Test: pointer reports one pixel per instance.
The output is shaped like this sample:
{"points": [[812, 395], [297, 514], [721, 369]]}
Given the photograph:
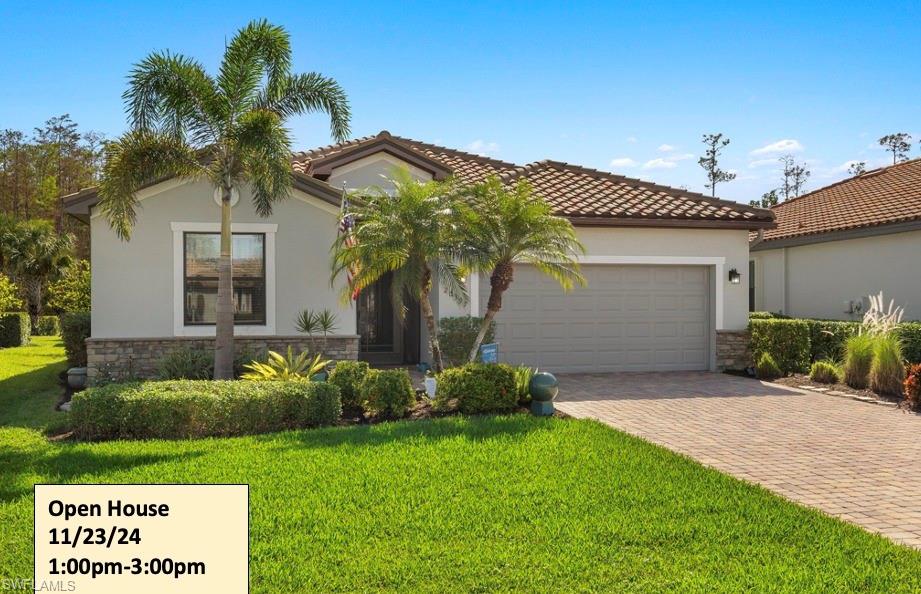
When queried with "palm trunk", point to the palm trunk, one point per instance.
{"points": [[223, 343], [429, 314], [34, 293], [499, 282]]}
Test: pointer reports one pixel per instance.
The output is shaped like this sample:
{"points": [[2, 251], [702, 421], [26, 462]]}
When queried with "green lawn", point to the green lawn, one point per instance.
{"points": [[478, 505], [28, 382]]}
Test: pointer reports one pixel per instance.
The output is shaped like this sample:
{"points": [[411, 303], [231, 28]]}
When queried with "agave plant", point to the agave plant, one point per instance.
{"points": [[280, 368]]}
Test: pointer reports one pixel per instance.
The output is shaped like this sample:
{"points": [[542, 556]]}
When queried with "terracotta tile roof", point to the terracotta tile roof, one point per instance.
{"points": [[577, 192], [574, 191], [878, 197]]}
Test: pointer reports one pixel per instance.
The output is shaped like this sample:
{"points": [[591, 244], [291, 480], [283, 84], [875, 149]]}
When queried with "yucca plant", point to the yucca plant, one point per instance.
{"points": [[281, 368], [523, 375], [887, 371], [858, 356]]}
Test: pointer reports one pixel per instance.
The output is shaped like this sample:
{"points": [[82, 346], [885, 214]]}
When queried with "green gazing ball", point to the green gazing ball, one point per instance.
{"points": [[543, 387]]}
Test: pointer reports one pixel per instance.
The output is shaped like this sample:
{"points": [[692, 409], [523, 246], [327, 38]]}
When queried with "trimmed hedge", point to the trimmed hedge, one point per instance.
{"points": [[909, 333], [766, 315], [456, 336], [787, 341], [348, 376], [387, 392], [827, 338], [15, 329], [75, 329], [478, 388], [201, 408], [47, 326]]}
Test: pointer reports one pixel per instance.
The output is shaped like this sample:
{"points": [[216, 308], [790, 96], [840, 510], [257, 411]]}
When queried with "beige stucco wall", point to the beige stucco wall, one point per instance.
{"points": [[132, 282], [769, 280], [654, 245], [373, 171], [821, 277]]}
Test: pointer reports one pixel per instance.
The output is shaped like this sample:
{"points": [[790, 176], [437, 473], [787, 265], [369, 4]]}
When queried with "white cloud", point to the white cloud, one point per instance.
{"points": [[666, 148], [659, 164], [481, 147], [631, 139], [787, 145], [622, 162], [681, 157], [762, 163], [842, 168]]}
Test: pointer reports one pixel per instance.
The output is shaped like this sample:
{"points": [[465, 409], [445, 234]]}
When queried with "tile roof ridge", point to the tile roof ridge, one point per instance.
{"points": [[457, 152], [672, 191]]}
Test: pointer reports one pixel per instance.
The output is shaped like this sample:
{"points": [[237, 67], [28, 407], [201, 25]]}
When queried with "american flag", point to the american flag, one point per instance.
{"points": [[347, 228]]}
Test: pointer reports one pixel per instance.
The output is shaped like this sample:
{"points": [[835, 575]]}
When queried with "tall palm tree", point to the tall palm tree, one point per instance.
{"points": [[35, 255], [502, 227], [228, 129], [408, 234]]}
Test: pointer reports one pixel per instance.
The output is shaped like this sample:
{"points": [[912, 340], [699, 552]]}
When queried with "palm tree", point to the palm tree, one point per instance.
{"points": [[228, 129], [35, 255], [408, 234], [503, 227]]}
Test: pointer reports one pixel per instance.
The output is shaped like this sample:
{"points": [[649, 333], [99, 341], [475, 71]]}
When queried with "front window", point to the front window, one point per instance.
{"points": [[201, 253]]}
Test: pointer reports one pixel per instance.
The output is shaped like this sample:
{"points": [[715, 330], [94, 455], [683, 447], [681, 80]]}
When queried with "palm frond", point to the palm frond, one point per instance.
{"points": [[311, 93], [174, 94], [265, 148], [258, 49], [133, 160]]}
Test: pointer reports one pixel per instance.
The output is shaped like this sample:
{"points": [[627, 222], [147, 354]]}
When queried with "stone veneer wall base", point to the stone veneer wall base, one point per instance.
{"points": [[733, 350], [121, 358]]}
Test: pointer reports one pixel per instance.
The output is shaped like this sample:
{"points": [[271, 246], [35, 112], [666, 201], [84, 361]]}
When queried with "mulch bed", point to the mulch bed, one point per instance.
{"points": [[797, 380]]}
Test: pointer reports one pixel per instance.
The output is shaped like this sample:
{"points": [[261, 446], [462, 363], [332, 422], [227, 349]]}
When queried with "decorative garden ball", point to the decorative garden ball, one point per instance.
{"points": [[543, 388]]}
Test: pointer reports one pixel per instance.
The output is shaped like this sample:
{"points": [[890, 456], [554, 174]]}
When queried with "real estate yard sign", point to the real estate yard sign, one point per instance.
{"points": [[489, 353]]}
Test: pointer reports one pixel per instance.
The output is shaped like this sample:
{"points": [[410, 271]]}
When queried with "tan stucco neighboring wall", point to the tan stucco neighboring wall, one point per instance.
{"points": [[373, 171], [821, 277], [769, 280], [132, 282]]}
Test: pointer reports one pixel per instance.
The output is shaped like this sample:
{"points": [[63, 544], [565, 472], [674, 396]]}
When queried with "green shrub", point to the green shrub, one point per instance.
{"points": [[766, 315], [824, 372], [186, 363], [75, 329], [887, 371], [15, 329], [766, 368], [909, 334], [348, 376], [523, 375], [858, 356], [387, 392], [787, 341], [47, 326], [478, 388], [456, 336], [278, 367], [200, 408], [72, 291], [827, 338], [9, 295]]}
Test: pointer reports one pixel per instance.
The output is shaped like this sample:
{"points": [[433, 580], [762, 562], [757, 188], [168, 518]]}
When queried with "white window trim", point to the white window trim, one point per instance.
{"points": [[718, 262], [179, 327]]}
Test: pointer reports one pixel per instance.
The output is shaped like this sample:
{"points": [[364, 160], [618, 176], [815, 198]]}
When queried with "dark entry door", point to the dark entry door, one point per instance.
{"points": [[384, 339]]}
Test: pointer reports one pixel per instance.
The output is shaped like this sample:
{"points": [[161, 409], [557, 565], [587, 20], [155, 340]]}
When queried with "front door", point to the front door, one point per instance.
{"points": [[384, 339]]}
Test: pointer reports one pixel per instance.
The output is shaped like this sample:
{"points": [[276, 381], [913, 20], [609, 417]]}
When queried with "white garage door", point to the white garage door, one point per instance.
{"points": [[628, 318]]}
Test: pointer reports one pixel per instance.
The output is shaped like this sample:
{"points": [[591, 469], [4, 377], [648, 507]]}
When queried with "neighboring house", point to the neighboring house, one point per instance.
{"points": [[835, 246], [658, 268]]}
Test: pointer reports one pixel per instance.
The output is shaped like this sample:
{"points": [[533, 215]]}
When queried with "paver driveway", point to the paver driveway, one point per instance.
{"points": [[851, 459]]}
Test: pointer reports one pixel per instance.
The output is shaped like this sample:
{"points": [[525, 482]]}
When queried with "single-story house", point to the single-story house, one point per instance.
{"points": [[665, 269], [834, 247]]}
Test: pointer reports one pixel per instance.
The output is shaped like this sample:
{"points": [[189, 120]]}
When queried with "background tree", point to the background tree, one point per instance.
{"points": [[503, 227], [857, 168], [715, 144], [35, 254], [71, 292], [899, 144], [227, 129], [410, 234], [767, 200], [794, 177]]}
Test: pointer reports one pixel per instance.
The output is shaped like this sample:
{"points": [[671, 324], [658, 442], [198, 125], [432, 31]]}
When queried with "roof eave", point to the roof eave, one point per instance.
{"points": [[670, 223]]}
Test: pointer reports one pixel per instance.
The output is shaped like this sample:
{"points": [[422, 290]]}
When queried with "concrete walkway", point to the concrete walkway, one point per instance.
{"points": [[854, 460]]}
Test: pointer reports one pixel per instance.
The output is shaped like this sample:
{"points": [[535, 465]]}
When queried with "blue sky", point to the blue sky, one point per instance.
{"points": [[622, 87]]}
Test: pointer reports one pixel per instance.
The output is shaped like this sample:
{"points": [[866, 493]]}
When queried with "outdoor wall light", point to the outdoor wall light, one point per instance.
{"points": [[734, 276]]}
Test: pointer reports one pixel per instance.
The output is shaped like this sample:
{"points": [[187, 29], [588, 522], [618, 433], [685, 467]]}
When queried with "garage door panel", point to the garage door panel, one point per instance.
{"points": [[628, 318]]}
